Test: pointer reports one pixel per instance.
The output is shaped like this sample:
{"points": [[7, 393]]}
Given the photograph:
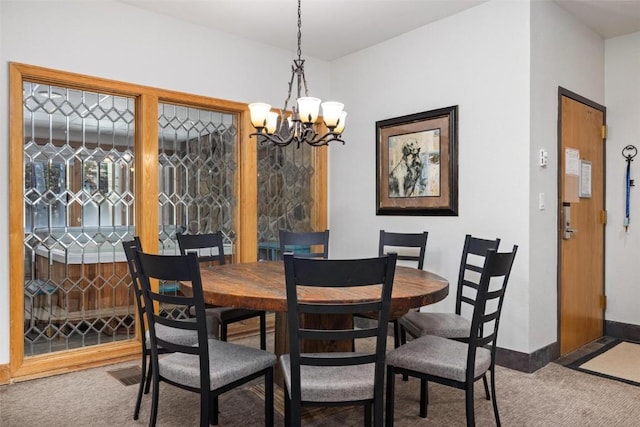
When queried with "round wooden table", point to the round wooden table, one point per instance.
{"points": [[261, 286]]}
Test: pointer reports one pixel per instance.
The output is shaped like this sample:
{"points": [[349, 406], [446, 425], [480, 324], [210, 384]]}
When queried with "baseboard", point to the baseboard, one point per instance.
{"points": [[5, 374], [623, 331], [527, 362]]}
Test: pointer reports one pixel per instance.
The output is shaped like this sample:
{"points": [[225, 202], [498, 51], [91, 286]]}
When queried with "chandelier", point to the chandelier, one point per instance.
{"points": [[299, 124]]}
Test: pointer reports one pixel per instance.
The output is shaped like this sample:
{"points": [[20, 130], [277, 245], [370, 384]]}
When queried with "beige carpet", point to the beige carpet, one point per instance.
{"points": [[620, 361], [552, 396]]}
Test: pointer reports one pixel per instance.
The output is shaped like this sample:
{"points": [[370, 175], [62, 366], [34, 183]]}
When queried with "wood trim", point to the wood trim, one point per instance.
{"points": [[75, 360], [319, 217], [146, 172], [16, 219], [247, 191], [5, 374]]}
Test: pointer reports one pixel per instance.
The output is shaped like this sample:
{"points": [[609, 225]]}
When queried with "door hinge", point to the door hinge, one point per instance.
{"points": [[604, 131], [603, 217], [603, 302]]}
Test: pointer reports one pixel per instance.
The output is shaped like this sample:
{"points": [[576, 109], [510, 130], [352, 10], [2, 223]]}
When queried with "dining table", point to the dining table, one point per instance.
{"points": [[261, 286]]}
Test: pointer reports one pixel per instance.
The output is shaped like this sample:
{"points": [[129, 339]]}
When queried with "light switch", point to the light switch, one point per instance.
{"points": [[541, 201], [544, 158]]}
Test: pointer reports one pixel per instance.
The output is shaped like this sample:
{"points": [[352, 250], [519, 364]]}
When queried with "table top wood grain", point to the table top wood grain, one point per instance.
{"points": [[261, 286]]}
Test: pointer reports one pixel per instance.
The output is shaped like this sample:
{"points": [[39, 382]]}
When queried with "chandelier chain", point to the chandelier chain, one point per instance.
{"points": [[299, 30]]}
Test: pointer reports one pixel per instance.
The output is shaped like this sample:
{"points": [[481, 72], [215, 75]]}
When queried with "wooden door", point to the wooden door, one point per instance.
{"points": [[581, 252]]}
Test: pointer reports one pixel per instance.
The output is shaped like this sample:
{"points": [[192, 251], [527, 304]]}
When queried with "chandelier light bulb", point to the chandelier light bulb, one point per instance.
{"points": [[331, 112], [259, 112], [340, 127], [308, 109]]}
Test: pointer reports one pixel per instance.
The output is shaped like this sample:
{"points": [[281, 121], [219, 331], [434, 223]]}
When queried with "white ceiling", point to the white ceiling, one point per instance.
{"points": [[334, 28]]}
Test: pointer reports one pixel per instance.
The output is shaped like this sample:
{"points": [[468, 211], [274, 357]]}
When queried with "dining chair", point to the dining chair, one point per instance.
{"points": [[338, 378], [301, 243], [187, 337], [210, 367], [455, 325], [398, 242], [225, 315], [452, 362]]}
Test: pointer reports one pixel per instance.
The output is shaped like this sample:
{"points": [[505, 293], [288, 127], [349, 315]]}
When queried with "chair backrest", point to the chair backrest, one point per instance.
{"points": [[197, 242], [290, 241], [404, 240], [472, 263], [130, 248], [488, 305], [177, 268], [325, 273]]}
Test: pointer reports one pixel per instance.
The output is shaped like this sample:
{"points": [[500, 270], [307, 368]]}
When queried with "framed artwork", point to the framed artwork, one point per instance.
{"points": [[417, 164]]}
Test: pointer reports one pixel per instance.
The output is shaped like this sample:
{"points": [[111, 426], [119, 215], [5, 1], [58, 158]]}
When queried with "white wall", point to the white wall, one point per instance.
{"points": [[478, 60], [622, 83], [563, 53], [117, 41]]}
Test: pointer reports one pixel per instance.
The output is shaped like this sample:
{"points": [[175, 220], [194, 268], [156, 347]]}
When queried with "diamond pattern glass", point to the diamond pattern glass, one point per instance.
{"points": [[197, 166], [285, 197], [78, 200]]}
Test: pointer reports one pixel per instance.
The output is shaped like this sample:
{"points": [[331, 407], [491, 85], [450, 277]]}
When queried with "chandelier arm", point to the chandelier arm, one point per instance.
{"points": [[274, 139]]}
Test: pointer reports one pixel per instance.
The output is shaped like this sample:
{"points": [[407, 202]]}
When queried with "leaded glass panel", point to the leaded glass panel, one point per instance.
{"points": [[197, 165], [78, 207], [285, 196]]}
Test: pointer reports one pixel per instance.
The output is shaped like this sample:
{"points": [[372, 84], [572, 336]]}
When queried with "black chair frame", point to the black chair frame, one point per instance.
{"points": [[311, 238], [130, 249], [496, 265], [194, 242], [187, 268], [403, 240], [337, 273]]}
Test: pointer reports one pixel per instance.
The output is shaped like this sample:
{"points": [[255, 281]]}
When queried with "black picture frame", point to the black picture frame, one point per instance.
{"points": [[417, 164]]}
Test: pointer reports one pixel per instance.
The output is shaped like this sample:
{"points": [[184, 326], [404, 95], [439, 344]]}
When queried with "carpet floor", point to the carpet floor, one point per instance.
{"points": [[551, 396]]}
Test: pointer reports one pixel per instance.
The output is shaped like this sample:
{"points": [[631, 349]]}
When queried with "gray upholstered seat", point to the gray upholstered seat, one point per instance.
{"points": [[227, 363], [438, 356], [449, 325], [332, 383], [181, 336]]}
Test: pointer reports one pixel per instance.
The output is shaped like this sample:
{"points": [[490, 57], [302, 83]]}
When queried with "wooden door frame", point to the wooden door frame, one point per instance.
{"points": [[562, 92]]}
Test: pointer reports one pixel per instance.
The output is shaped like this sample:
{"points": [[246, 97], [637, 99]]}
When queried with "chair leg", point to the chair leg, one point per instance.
{"points": [[213, 411], [143, 380], [263, 331], [287, 408], [223, 331], [486, 386], [378, 407], [403, 335], [390, 395], [424, 397], [471, 421], [396, 334], [493, 396], [367, 414], [205, 411], [147, 386], [154, 399], [268, 397]]}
